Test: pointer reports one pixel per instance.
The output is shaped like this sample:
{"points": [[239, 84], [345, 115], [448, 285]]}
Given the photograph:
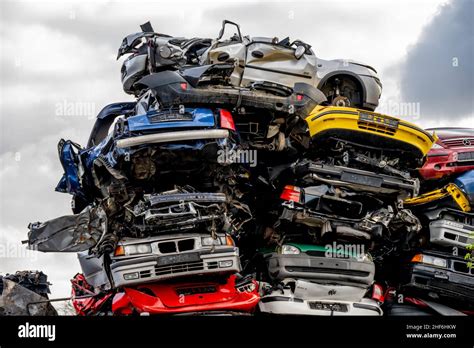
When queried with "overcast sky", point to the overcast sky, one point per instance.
{"points": [[58, 69]]}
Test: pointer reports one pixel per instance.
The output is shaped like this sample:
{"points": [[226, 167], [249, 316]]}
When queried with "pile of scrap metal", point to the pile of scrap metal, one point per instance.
{"points": [[25, 293], [248, 176]]}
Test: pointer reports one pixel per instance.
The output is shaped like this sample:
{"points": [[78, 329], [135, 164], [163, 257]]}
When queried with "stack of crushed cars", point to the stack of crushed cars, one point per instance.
{"points": [[251, 176], [25, 293]]}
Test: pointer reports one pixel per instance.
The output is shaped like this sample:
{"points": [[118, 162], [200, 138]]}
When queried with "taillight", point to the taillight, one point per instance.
{"points": [[299, 97], [227, 121], [291, 193], [377, 293], [184, 86]]}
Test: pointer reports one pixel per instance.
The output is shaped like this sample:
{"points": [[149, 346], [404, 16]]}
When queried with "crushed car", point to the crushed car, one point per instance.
{"points": [[452, 154]]}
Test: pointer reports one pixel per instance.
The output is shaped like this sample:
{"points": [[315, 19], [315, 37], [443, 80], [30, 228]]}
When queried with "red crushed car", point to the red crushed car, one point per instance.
{"points": [[236, 295], [193, 297], [453, 153]]}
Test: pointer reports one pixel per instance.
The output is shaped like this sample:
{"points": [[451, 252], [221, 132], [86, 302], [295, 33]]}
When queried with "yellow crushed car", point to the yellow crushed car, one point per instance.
{"points": [[369, 137]]}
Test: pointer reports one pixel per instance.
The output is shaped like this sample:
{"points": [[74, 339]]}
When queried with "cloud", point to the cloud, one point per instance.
{"points": [[438, 71]]}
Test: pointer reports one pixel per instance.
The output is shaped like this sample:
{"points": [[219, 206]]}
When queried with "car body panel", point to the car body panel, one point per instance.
{"points": [[453, 155], [455, 281], [452, 233], [448, 196], [285, 302], [199, 296], [182, 260], [372, 128], [362, 180], [190, 118], [465, 182], [341, 271]]}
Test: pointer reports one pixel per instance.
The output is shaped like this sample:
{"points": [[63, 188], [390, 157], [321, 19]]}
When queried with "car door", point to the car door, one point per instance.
{"points": [[272, 62]]}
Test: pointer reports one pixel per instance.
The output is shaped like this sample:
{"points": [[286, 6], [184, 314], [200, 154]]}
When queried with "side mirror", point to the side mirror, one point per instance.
{"points": [[300, 51]]}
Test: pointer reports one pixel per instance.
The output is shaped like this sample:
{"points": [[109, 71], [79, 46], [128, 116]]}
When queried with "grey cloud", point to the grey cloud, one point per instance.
{"points": [[429, 75]]}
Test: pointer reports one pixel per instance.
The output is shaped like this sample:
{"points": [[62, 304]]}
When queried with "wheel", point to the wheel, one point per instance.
{"points": [[343, 91]]}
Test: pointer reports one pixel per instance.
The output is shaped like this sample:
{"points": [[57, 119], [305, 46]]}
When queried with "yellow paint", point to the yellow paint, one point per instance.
{"points": [[333, 117]]}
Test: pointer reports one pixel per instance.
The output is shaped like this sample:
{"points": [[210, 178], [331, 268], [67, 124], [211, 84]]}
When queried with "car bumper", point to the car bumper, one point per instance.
{"points": [[362, 179], [173, 136], [444, 282], [182, 298], [445, 162], [325, 269], [451, 233], [288, 305], [376, 129], [156, 268]]}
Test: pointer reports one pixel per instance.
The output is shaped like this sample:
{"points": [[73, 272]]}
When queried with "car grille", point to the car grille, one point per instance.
{"points": [[461, 267], [459, 142], [379, 128], [179, 268], [466, 156], [169, 247], [348, 272]]}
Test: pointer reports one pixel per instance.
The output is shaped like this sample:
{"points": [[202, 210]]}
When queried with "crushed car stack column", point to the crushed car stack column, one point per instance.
{"points": [[318, 224]]}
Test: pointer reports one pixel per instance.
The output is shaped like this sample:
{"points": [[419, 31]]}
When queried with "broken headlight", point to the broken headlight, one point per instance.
{"points": [[287, 249], [430, 260], [209, 241], [436, 146], [133, 249]]}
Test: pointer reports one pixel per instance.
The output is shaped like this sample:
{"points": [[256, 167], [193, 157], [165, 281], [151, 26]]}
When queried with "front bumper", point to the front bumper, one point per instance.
{"points": [[445, 162], [276, 303], [149, 269], [178, 298], [371, 129], [324, 269], [361, 180], [451, 233], [185, 135], [444, 282]]}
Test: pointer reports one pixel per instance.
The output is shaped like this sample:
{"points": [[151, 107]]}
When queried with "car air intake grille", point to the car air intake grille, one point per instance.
{"points": [[459, 142], [179, 268], [461, 267], [466, 156], [176, 246], [348, 272], [145, 274], [379, 128]]}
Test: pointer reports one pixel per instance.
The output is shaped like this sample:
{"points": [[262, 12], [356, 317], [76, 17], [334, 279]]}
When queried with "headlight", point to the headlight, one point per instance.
{"points": [[287, 249], [430, 260], [209, 241], [437, 146], [135, 249]]}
